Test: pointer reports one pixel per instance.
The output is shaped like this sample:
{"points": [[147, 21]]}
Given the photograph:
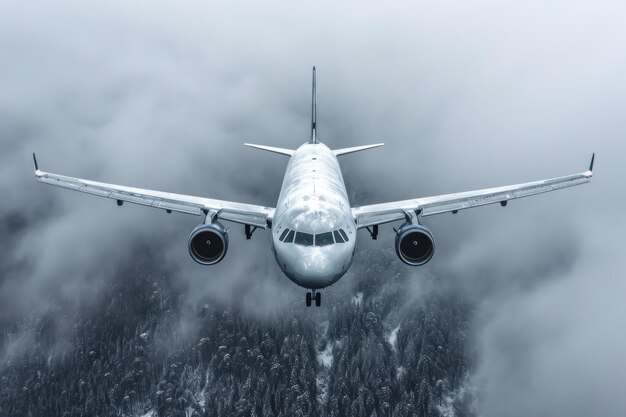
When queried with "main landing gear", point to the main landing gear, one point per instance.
{"points": [[313, 295]]}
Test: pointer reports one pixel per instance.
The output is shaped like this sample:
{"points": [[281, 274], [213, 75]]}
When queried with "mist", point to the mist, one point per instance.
{"points": [[465, 96]]}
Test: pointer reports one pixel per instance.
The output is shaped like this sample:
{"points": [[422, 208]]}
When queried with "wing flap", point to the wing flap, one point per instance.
{"points": [[532, 191], [94, 191], [132, 198], [177, 207], [444, 208], [53, 181], [366, 220], [253, 219]]}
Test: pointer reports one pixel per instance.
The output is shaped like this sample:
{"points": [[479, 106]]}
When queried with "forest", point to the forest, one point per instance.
{"points": [[142, 350]]}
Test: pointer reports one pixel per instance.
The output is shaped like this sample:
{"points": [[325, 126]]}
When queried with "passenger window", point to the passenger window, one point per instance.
{"points": [[289, 238], [304, 239], [282, 236], [338, 237], [324, 239], [343, 235]]}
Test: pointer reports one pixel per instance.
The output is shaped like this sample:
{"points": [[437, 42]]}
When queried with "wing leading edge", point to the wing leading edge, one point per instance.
{"points": [[388, 212], [227, 210]]}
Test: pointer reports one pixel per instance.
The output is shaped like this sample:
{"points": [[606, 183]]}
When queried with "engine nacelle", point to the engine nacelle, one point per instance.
{"points": [[208, 243], [414, 244]]}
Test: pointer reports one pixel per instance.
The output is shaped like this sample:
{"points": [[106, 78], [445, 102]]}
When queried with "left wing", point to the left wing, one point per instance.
{"points": [[253, 215], [388, 212]]}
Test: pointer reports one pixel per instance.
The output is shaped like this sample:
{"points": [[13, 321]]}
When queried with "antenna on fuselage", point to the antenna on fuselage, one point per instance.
{"points": [[313, 111]]}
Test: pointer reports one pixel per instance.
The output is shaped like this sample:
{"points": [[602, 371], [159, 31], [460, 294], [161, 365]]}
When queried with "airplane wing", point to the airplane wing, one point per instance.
{"points": [[375, 214], [236, 212]]}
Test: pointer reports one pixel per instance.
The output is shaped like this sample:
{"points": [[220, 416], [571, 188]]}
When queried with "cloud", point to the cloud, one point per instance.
{"points": [[556, 349], [465, 96]]}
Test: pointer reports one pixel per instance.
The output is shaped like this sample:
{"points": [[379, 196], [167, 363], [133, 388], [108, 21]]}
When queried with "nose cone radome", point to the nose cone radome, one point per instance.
{"points": [[316, 267]]}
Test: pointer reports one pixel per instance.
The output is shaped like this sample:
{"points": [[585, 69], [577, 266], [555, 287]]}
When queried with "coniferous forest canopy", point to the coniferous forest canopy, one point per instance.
{"points": [[372, 353]]}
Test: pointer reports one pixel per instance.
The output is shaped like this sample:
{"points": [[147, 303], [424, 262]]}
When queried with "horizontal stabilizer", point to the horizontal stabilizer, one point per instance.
{"points": [[282, 151], [344, 151]]}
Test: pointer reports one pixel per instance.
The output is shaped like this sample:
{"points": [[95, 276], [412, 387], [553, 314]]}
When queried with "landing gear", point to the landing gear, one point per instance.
{"points": [[248, 231], [373, 231], [310, 295]]}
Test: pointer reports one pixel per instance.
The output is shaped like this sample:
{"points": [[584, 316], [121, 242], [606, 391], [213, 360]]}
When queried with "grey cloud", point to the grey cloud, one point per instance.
{"points": [[465, 96]]}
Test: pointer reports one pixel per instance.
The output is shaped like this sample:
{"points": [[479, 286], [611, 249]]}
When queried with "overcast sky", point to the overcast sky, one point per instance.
{"points": [[464, 94]]}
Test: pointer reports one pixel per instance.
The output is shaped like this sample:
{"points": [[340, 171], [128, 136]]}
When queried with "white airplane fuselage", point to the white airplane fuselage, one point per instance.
{"points": [[313, 203]]}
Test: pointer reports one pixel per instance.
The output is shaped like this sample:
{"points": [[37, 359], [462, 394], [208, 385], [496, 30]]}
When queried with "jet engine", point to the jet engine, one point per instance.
{"points": [[208, 243], [414, 244]]}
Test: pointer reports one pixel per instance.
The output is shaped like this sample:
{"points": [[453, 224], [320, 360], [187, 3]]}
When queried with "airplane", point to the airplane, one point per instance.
{"points": [[313, 226]]}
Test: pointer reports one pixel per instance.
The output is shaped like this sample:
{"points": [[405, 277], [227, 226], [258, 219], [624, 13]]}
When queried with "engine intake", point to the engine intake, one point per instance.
{"points": [[208, 243], [414, 244]]}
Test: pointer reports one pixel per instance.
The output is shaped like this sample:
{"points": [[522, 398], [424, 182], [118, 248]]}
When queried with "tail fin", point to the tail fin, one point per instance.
{"points": [[313, 111]]}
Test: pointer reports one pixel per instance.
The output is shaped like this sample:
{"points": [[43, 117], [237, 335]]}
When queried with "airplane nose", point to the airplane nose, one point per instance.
{"points": [[315, 269]]}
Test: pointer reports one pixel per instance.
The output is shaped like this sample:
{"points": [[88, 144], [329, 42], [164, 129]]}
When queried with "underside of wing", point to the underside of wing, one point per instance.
{"points": [[370, 215], [227, 210]]}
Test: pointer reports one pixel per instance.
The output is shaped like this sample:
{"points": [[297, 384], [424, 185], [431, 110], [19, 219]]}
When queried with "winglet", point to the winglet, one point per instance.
{"points": [[589, 172], [38, 174]]}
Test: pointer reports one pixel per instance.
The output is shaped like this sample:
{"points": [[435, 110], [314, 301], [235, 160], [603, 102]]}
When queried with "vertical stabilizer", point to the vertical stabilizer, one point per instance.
{"points": [[313, 111]]}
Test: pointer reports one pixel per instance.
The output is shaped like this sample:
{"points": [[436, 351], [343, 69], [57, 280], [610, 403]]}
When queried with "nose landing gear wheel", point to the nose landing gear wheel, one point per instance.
{"points": [[311, 295]]}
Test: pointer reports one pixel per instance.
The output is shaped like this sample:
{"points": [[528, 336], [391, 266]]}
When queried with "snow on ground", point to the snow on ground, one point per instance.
{"points": [[399, 372], [325, 357], [202, 397], [357, 300], [325, 362], [393, 338]]}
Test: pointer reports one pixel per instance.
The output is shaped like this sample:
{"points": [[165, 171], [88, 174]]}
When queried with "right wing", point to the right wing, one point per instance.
{"points": [[253, 215], [375, 214]]}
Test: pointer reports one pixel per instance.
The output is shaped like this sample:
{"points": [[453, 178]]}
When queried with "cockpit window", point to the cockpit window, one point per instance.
{"points": [[304, 239], [324, 239], [307, 239]]}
